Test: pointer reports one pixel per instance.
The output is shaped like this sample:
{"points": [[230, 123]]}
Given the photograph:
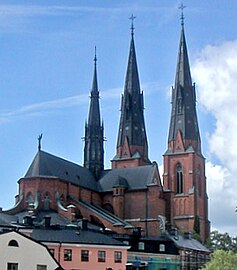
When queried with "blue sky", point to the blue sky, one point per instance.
{"points": [[46, 66]]}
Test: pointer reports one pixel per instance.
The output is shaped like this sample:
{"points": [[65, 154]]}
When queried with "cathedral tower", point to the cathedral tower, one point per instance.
{"points": [[184, 164], [94, 132], [132, 147]]}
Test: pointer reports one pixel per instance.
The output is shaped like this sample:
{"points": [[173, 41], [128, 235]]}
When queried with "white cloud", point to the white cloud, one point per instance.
{"points": [[215, 72]]}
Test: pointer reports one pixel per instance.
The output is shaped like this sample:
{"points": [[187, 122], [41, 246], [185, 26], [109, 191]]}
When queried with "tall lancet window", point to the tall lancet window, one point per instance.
{"points": [[179, 179]]}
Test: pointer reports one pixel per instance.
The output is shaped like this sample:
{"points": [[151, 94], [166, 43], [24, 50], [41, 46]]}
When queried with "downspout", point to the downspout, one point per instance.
{"points": [[146, 227], [59, 252]]}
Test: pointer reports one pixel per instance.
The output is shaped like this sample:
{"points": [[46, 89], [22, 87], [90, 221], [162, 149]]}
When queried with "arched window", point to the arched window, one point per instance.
{"points": [[13, 243], [179, 179], [47, 201], [29, 199]]}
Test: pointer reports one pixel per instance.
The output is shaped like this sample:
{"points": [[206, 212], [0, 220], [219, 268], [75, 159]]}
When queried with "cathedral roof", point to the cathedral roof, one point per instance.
{"points": [[48, 165], [133, 178]]}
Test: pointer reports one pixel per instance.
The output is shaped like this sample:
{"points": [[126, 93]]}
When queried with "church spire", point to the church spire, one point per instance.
{"points": [[132, 139], [94, 131], [183, 122]]}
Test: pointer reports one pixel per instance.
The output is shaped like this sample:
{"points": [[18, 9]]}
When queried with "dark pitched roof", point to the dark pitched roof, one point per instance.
{"points": [[183, 113], [188, 243], [56, 219], [132, 123], [48, 165], [104, 214], [134, 178], [6, 219], [74, 236]]}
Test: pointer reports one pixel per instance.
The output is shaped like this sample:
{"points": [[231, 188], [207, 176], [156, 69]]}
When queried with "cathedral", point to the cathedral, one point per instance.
{"points": [[131, 194]]}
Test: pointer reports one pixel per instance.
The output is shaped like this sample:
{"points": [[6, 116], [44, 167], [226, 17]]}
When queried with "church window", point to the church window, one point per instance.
{"points": [[30, 199], [47, 201], [179, 179]]}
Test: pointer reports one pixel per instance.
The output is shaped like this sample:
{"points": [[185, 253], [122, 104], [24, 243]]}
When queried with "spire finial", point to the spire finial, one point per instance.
{"points": [[132, 18], [39, 141], [95, 58], [182, 7]]}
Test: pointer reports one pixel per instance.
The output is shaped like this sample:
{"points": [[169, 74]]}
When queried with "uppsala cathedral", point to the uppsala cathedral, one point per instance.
{"points": [[131, 194]]}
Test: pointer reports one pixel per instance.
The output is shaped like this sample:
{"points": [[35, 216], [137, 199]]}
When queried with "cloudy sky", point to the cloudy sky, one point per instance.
{"points": [[46, 65]]}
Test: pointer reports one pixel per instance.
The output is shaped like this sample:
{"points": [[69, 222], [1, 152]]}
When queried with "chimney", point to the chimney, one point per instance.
{"points": [[27, 220], [84, 224], [173, 232], [47, 221]]}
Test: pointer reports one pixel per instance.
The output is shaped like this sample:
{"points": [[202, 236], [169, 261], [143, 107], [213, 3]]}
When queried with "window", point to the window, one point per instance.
{"points": [[13, 243], [117, 256], [101, 256], [41, 267], [85, 255], [51, 251], [179, 179], [67, 254], [162, 248], [12, 266], [141, 246]]}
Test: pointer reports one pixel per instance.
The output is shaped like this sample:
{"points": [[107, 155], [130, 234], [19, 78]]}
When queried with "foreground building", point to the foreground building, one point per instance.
{"points": [[130, 194], [21, 252]]}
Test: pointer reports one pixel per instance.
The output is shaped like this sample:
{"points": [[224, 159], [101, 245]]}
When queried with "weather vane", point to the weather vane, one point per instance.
{"points": [[39, 141], [132, 18], [182, 7]]}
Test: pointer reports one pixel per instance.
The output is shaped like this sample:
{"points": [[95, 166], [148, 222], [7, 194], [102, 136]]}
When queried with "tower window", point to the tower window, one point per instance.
{"points": [[179, 179]]}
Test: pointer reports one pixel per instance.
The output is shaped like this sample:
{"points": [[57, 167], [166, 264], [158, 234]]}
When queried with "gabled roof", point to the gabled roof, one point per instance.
{"points": [[135, 177], [48, 165]]}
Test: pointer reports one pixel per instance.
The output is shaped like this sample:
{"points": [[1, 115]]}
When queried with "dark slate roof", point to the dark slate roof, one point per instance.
{"points": [[183, 114], [188, 243], [48, 165], [104, 214], [6, 219], [134, 178], [56, 219], [74, 236]]}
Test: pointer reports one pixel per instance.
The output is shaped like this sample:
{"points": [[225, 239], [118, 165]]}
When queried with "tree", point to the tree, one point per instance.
{"points": [[222, 260], [222, 241]]}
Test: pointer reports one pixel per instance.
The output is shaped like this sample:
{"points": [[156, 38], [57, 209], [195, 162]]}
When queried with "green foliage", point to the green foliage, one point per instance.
{"points": [[196, 226], [222, 241], [222, 260]]}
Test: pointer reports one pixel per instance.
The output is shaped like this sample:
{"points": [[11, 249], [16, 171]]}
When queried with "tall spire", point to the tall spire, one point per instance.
{"points": [[132, 139], [183, 114], [94, 131]]}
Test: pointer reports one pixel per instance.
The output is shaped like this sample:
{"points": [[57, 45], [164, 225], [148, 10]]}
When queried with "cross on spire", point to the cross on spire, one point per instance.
{"points": [[132, 18], [182, 7], [39, 141], [95, 58]]}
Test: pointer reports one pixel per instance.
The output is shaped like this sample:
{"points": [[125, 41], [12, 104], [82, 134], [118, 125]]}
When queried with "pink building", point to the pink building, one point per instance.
{"points": [[83, 249]]}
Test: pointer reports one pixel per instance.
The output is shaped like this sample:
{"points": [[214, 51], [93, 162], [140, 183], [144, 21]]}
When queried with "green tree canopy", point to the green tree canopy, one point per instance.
{"points": [[222, 260]]}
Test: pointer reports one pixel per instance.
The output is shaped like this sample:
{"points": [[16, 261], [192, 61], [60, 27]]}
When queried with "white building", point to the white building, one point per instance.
{"points": [[19, 252]]}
